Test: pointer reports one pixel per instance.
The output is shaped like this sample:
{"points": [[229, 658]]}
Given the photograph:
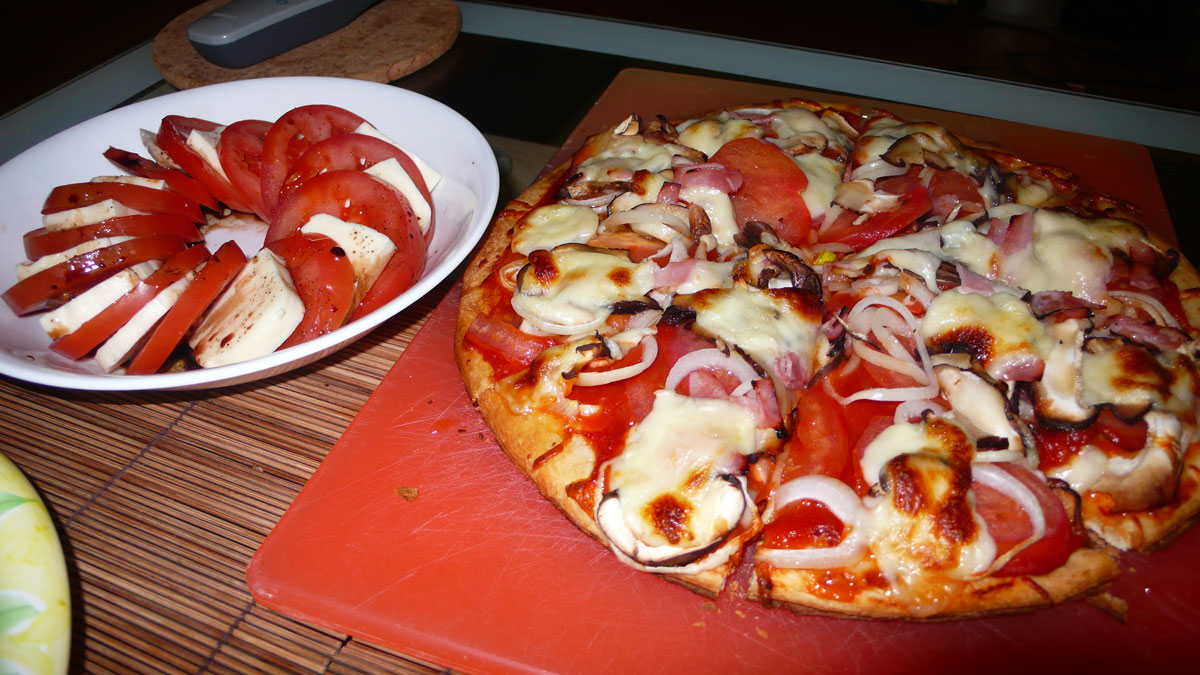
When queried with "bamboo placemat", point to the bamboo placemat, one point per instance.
{"points": [[162, 498]]}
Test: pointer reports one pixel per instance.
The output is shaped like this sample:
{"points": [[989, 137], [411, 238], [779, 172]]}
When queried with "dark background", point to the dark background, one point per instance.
{"points": [[1143, 51]]}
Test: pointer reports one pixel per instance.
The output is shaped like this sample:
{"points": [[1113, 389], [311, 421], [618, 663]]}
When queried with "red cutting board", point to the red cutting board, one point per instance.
{"points": [[478, 573]]}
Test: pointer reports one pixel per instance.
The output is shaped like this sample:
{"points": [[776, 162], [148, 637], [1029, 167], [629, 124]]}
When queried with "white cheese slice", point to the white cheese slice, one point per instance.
{"points": [[67, 318], [121, 346], [553, 225], [1000, 327], [824, 175], [368, 249], [152, 183], [253, 316], [30, 268], [431, 176], [390, 172], [87, 215], [204, 144]]}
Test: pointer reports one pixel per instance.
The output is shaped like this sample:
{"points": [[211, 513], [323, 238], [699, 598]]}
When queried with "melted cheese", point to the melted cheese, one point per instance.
{"points": [[621, 156], [570, 291], [999, 330], [824, 175], [709, 134], [548, 227], [669, 476], [766, 325], [87, 215], [719, 209]]}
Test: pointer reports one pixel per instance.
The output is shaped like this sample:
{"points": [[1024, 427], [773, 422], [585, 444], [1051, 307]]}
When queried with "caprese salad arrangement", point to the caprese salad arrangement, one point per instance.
{"points": [[120, 269]]}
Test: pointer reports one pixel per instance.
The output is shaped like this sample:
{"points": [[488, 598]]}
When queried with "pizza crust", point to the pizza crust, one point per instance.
{"points": [[1086, 572]]}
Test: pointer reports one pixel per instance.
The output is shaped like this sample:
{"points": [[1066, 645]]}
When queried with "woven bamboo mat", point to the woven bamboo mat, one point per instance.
{"points": [[162, 499]]}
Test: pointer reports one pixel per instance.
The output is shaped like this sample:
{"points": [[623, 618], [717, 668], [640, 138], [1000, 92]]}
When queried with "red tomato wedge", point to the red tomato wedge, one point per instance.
{"points": [[177, 181], [1009, 525], [914, 203], [772, 188], [55, 285], [41, 242], [351, 152], [324, 278], [356, 197], [292, 135], [172, 138], [102, 326], [150, 200], [820, 442], [240, 152], [210, 280]]}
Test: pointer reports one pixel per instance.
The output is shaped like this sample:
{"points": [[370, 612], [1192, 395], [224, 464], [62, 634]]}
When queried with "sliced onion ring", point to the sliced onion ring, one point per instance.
{"points": [[593, 378], [709, 358], [1010, 486], [843, 503]]}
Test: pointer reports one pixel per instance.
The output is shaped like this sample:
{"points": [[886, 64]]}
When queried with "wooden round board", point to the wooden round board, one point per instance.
{"points": [[388, 41]]}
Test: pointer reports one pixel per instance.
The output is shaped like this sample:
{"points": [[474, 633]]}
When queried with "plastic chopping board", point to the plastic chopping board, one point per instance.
{"points": [[416, 533]]}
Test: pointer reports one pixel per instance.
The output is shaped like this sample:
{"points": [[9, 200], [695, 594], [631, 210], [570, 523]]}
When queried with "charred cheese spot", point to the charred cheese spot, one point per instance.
{"points": [[543, 268], [1125, 376], [999, 331], [621, 276], [573, 289], [670, 515]]}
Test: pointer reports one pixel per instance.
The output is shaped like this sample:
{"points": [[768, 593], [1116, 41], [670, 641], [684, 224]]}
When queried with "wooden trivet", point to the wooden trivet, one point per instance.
{"points": [[388, 41]]}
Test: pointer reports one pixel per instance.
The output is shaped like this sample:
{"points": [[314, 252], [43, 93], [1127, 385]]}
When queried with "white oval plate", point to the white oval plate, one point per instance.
{"points": [[464, 201]]}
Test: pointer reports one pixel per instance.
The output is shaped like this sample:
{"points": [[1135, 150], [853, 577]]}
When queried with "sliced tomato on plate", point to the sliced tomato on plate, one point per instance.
{"points": [[1009, 525], [42, 242], [99, 328], [324, 278], [177, 181], [240, 152], [57, 284], [149, 200], [292, 135], [356, 197], [772, 189], [172, 138], [208, 283], [914, 203], [350, 152]]}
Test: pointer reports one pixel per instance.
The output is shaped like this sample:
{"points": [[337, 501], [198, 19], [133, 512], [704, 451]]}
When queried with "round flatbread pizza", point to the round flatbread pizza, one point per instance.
{"points": [[899, 373]]}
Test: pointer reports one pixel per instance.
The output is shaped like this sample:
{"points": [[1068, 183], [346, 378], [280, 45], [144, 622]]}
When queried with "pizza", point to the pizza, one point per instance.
{"points": [[896, 372]]}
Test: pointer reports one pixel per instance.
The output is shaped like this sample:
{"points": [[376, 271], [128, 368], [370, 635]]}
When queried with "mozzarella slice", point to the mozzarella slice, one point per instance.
{"points": [[152, 183], [87, 215], [118, 348], [390, 172], [68, 318], [204, 143], [368, 249], [719, 208], [431, 176], [30, 268], [253, 316], [709, 134], [572, 290]]}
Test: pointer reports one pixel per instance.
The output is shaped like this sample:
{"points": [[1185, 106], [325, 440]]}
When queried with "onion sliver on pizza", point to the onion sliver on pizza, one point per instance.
{"points": [[903, 374]]}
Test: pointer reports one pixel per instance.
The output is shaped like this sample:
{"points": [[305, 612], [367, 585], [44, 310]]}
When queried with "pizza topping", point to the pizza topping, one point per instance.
{"points": [[778, 328], [618, 346], [845, 506], [1056, 396], [980, 404], [573, 289], [998, 331], [673, 493], [550, 226]]}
